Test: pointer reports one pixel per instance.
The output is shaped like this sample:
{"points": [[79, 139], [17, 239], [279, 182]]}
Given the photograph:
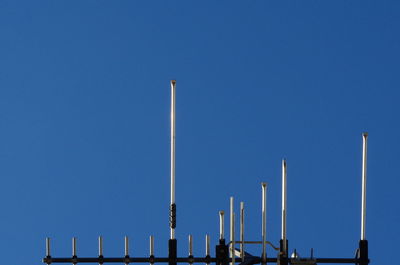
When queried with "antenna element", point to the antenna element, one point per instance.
{"points": [[364, 186], [284, 188], [264, 221], [173, 205]]}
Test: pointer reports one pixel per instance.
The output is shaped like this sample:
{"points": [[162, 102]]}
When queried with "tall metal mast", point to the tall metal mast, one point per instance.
{"points": [[173, 205], [284, 186], [172, 243], [364, 187]]}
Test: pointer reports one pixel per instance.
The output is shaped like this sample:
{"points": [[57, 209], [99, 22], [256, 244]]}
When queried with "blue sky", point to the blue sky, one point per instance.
{"points": [[84, 122]]}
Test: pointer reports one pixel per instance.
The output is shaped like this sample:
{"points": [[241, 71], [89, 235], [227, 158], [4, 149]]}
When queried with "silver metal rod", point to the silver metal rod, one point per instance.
{"points": [[126, 240], [100, 246], [364, 186], [221, 224], [233, 240], [74, 246], [151, 245], [242, 230], [173, 84], [232, 230], [207, 245], [264, 220], [284, 189], [190, 245], [47, 246]]}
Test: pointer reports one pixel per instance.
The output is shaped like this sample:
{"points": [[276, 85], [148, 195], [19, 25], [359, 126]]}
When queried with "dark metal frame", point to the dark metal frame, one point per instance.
{"points": [[221, 258]]}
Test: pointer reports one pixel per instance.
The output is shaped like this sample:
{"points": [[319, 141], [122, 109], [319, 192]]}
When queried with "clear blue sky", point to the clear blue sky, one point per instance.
{"points": [[84, 122]]}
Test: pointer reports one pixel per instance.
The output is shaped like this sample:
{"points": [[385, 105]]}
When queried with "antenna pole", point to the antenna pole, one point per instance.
{"points": [[172, 243], [284, 188], [232, 232], [364, 186], [242, 230], [74, 247], [207, 245], [173, 205], [264, 221], [100, 246], [221, 225], [126, 244], [190, 246], [47, 246], [151, 246], [363, 245]]}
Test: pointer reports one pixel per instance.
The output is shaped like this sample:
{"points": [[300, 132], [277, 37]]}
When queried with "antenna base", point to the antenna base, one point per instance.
{"points": [[172, 251], [363, 252], [222, 253], [282, 256]]}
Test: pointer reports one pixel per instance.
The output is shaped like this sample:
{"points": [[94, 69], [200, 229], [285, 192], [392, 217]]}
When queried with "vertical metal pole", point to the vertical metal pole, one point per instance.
{"points": [[232, 232], [190, 245], [207, 245], [151, 249], [173, 206], [233, 240], [74, 247], [264, 220], [363, 244], [47, 246], [242, 230], [364, 186], [151, 246], [221, 225], [284, 189], [172, 243], [126, 241], [100, 246]]}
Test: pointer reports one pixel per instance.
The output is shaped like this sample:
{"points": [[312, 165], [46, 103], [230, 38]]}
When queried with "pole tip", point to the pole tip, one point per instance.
{"points": [[264, 184], [221, 212], [173, 82], [365, 134]]}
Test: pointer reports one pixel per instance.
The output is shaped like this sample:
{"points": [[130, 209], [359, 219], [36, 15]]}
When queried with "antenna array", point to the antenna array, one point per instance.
{"points": [[227, 252]]}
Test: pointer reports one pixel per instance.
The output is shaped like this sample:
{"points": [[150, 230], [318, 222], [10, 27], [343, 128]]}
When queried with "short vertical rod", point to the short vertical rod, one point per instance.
{"points": [[126, 243], [264, 220], [151, 246], [173, 205], [190, 245], [100, 246], [242, 230], [364, 186], [74, 247], [207, 245], [151, 250], [232, 230], [284, 196], [221, 225], [233, 240], [47, 246]]}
